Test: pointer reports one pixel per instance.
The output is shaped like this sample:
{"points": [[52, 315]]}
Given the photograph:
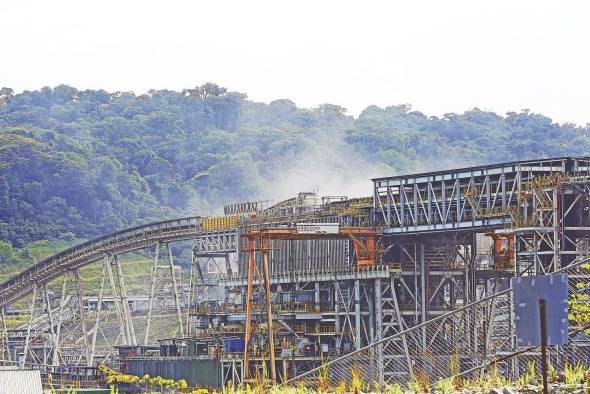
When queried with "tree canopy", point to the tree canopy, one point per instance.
{"points": [[87, 162]]}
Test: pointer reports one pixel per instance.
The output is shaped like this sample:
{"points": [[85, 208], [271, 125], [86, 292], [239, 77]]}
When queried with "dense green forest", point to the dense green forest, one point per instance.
{"points": [[77, 164]]}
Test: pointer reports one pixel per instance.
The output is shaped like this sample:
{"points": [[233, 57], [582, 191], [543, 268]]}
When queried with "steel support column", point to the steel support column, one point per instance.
{"points": [[151, 297], [98, 310], [176, 294], [357, 314], [82, 313], [32, 301]]}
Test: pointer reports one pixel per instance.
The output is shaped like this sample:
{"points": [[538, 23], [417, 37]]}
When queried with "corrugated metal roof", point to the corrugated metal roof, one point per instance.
{"points": [[20, 381]]}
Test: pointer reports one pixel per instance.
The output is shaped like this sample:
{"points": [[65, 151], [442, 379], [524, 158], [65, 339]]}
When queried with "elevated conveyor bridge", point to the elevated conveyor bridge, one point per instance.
{"points": [[123, 241]]}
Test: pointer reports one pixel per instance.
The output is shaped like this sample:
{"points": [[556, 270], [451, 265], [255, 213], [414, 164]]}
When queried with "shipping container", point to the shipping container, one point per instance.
{"points": [[197, 372]]}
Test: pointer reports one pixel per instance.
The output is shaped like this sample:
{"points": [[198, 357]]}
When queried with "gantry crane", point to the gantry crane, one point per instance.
{"points": [[363, 239]]}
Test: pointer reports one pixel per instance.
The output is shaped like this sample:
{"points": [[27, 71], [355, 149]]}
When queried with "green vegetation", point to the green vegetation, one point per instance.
{"points": [[574, 378], [15, 259], [77, 164], [579, 304], [529, 376], [135, 267], [574, 374]]}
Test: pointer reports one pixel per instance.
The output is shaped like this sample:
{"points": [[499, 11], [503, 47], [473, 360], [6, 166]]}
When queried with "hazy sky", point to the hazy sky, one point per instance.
{"points": [[439, 56]]}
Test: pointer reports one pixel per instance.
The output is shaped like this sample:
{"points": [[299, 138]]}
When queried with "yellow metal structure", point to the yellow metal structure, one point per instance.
{"points": [[219, 223]]}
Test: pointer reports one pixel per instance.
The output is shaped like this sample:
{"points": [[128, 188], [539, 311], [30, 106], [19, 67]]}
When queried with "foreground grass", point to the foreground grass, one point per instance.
{"points": [[573, 378]]}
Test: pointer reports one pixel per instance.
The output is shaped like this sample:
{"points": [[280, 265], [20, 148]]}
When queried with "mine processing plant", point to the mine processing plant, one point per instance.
{"points": [[275, 291]]}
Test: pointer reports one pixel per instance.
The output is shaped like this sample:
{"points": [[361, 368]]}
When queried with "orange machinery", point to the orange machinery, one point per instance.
{"points": [[503, 251], [364, 241], [363, 238]]}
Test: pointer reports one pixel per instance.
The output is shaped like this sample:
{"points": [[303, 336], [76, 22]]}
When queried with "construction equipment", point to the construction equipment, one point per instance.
{"points": [[503, 251], [258, 240]]}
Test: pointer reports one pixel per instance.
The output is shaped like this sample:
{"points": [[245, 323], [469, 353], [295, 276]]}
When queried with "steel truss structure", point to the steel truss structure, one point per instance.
{"points": [[431, 222], [430, 264], [453, 353], [446, 239], [67, 332]]}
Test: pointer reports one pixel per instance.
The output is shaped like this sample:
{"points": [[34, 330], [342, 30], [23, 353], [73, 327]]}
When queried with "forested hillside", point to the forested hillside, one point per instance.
{"points": [[83, 163]]}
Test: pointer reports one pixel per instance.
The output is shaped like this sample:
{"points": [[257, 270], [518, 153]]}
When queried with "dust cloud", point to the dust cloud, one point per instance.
{"points": [[330, 167]]}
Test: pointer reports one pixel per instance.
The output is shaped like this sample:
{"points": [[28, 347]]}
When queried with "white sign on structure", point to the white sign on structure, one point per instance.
{"points": [[318, 228]]}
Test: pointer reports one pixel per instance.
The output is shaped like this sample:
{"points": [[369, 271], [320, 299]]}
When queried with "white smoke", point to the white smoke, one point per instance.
{"points": [[330, 167]]}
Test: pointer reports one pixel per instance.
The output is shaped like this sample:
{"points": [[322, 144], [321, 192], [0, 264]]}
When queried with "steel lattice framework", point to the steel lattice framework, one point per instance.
{"points": [[448, 239]]}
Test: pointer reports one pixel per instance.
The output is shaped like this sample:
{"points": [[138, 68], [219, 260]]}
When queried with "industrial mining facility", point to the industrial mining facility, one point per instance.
{"points": [[413, 278]]}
